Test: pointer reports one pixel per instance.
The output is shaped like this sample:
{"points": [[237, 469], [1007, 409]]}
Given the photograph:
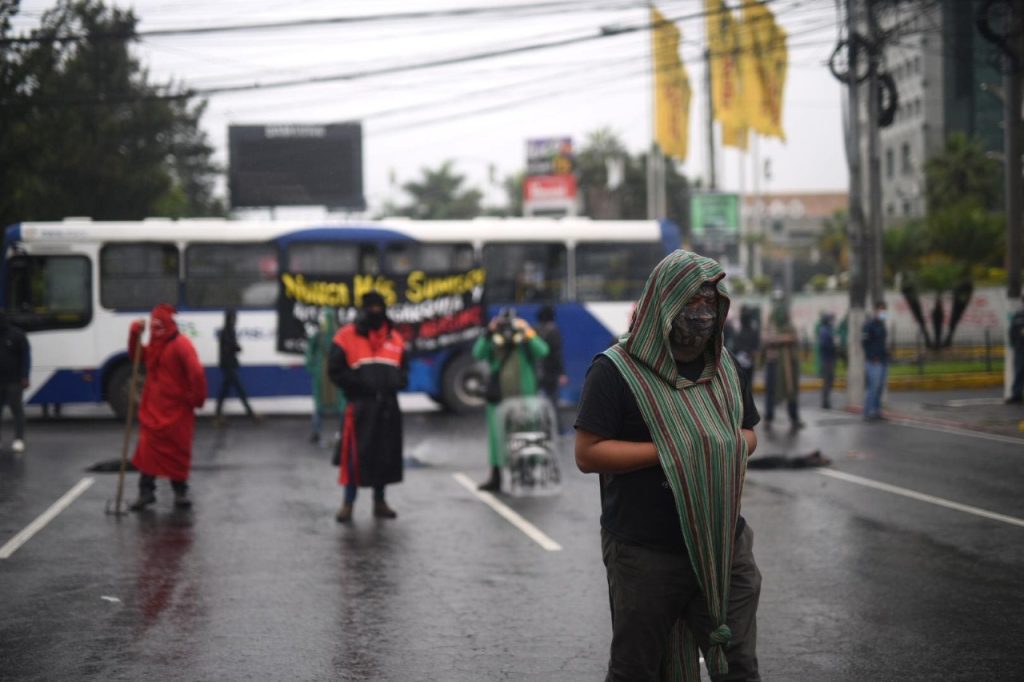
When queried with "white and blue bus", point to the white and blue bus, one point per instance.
{"points": [[76, 285]]}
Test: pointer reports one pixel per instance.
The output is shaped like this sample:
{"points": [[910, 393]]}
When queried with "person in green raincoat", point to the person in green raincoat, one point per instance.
{"points": [[511, 349], [328, 400]]}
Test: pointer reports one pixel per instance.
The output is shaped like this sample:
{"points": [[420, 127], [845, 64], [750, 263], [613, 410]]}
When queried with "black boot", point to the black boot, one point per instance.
{"points": [[147, 493], [181, 499], [493, 484]]}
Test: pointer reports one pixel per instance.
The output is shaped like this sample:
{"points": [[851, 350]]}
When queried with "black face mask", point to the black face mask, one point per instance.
{"points": [[694, 326], [375, 318]]}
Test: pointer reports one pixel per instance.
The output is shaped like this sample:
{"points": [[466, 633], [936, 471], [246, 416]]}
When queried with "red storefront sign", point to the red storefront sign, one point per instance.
{"points": [[549, 187]]}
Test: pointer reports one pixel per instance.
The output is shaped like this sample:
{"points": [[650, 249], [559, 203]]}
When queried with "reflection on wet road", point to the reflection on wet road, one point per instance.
{"points": [[259, 582]]}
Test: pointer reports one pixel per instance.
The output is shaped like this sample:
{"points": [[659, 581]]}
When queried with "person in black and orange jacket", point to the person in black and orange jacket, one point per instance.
{"points": [[368, 362]]}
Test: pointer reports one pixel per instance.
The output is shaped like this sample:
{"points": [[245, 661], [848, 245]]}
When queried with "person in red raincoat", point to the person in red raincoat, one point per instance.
{"points": [[175, 386], [367, 361]]}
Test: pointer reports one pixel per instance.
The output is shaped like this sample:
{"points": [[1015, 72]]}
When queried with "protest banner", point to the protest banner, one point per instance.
{"points": [[430, 310]]}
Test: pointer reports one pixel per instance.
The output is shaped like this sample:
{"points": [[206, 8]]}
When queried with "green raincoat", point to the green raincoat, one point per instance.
{"points": [[327, 399], [518, 373]]}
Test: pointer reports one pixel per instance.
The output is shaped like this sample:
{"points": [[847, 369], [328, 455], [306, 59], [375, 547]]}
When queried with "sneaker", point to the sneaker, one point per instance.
{"points": [[182, 501], [18, 445], [381, 510], [344, 514], [145, 499]]}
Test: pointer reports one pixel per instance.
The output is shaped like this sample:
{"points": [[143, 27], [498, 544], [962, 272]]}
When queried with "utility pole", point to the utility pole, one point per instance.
{"points": [[855, 317], [873, 233], [712, 182], [1013, 72]]}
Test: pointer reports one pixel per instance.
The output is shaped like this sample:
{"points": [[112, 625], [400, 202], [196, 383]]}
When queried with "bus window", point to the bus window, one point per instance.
{"points": [[49, 292], [614, 271], [231, 275], [404, 257], [138, 276], [332, 258], [525, 273]]}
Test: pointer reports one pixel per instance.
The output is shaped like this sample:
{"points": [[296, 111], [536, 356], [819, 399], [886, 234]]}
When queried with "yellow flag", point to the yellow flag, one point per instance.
{"points": [[672, 89], [724, 49], [764, 62], [735, 136]]}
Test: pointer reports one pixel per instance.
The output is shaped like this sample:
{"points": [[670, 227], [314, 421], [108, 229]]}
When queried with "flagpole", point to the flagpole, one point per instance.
{"points": [[712, 183]]}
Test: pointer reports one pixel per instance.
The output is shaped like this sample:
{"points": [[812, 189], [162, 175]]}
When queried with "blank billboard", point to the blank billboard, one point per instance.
{"points": [[296, 165]]}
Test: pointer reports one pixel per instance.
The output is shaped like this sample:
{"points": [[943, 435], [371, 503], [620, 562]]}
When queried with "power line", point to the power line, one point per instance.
{"points": [[799, 7], [562, 6], [401, 68]]}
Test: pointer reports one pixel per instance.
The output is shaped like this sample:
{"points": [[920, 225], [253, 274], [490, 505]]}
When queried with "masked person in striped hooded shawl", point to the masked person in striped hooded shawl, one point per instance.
{"points": [[667, 421]]}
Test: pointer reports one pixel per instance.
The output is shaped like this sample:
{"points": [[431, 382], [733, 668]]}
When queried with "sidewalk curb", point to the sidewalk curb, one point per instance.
{"points": [[937, 382]]}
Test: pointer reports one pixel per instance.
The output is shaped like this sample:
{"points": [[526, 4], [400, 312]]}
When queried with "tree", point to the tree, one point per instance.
{"points": [[962, 172], [960, 233], [834, 242], [628, 201], [439, 195], [83, 131]]}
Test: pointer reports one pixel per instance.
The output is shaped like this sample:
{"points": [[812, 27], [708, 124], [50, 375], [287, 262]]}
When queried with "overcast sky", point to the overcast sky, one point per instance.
{"points": [[480, 113]]}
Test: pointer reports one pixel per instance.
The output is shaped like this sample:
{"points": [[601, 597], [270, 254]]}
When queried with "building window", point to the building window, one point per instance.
{"points": [[907, 166], [906, 207], [890, 164], [890, 210]]}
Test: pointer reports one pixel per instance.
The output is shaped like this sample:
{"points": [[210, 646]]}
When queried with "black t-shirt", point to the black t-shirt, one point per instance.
{"points": [[638, 507]]}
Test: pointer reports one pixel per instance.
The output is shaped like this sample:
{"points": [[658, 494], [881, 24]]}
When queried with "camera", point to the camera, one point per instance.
{"points": [[506, 331]]}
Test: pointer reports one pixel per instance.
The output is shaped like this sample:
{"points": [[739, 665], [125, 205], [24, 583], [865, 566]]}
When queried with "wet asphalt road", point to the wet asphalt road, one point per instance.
{"points": [[258, 582]]}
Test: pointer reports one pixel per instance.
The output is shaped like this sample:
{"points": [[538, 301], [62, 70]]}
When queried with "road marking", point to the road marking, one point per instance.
{"points": [[958, 432], [49, 515], [530, 530], [914, 495]]}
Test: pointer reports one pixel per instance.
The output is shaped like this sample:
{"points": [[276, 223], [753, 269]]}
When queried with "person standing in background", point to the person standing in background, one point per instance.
{"points": [[876, 359], [826, 358], [175, 387], [551, 368], [511, 348], [227, 360], [328, 402], [747, 341], [781, 365], [1017, 344], [368, 362], [15, 363]]}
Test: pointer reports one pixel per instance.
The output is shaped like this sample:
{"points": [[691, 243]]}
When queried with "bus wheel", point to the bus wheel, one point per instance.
{"points": [[117, 388], [463, 383]]}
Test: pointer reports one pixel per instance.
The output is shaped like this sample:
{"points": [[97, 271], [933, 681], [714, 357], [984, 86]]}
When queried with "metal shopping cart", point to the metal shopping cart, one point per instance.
{"points": [[529, 425]]}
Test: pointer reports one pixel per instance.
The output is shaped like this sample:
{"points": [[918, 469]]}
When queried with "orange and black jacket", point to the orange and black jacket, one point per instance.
{"points": [[368, 364]]}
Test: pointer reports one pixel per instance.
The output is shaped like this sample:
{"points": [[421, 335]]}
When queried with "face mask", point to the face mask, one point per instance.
{"points": [[883, 315], [374, 319], [694, 326]]}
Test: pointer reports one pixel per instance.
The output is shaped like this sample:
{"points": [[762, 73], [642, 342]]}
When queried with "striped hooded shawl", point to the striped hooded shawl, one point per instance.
{"points": [[696, 430]]}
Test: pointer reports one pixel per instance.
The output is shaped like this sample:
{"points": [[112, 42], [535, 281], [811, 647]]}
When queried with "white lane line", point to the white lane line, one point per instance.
{"points": [[958, 432], [49, 515], [530, 530], [914, 495]]}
